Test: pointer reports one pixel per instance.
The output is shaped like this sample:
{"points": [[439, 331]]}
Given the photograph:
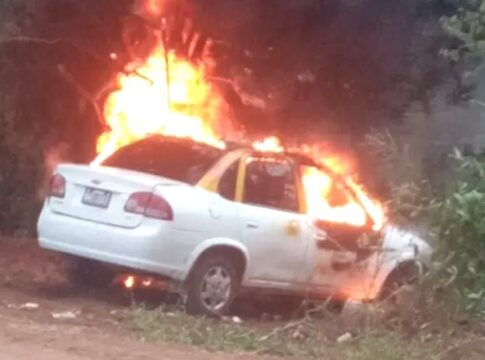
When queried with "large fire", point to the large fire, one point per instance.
{"points": [[170, 96], [148, 101]]}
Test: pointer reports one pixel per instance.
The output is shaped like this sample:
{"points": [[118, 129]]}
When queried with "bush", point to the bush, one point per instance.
{"points": [[400, 178], [459, 225]]}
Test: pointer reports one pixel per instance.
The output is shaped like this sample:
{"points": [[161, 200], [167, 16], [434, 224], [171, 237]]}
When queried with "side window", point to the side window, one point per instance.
{"points": [[328, 201], [271, 183], [227, 183]]}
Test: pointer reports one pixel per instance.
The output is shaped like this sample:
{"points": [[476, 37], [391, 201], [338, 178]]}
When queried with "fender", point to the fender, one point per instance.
{"points": [[212, 243], [392, 262]]}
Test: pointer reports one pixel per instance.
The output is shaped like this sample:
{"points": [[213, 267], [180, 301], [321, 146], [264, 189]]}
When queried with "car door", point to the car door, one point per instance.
{"points": [[336, 261], [272, 226]]}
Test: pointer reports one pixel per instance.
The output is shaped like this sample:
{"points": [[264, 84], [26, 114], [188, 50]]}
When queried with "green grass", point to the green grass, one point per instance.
{"points": [[379, 345], [303, 341]]}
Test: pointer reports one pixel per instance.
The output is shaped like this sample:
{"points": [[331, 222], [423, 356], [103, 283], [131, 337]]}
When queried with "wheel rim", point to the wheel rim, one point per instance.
{"points": [[215, 289]]}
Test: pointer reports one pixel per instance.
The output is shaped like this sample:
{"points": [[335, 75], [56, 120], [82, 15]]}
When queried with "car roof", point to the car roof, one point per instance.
{"points": [[299, 158]]}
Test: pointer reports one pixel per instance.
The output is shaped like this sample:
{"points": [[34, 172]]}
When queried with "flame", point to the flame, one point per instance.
{"points": [[148, 101], [129, 282], [269, 144], [147, 282], [135, 282], [152, 8], [319, 188], [170, 96]]}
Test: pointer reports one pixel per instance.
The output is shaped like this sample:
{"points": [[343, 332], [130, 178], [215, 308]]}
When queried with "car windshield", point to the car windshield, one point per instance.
{"points": [[176, 159]]}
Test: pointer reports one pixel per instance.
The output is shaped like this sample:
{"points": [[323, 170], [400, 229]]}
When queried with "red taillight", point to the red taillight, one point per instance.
{"points": [[57, 186], [149, 205]]}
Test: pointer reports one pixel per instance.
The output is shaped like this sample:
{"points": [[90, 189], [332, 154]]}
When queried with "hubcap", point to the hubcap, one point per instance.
{"points": [[215, 289]]}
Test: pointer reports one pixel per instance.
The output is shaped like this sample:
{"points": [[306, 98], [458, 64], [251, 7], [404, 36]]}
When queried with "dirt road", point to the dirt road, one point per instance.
{"points": [[35, 300]]}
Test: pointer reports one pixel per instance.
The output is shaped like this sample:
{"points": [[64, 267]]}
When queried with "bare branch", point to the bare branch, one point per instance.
{"points": [[28, 39], [83, 92]]}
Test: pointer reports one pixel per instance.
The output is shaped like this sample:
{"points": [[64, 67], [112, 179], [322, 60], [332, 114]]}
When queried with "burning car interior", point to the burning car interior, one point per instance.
{"points": [[177, 159]]}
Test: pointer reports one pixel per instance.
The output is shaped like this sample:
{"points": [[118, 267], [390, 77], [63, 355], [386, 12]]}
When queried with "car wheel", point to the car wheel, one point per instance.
{"points": [[406, 274], [335, 305], [212, 286], [88, 273]]}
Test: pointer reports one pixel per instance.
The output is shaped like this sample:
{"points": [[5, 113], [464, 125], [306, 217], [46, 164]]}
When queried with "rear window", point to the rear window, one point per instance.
{"points": [[176, 159]]}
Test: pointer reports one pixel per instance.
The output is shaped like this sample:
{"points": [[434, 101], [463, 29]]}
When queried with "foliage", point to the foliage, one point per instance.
{"points": [[308, 340], [400, 172], [467, 26], [449, 206], [383, 345], [459, 224], [466, 49]]}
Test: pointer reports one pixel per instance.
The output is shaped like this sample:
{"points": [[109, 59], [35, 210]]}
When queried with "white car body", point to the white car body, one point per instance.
{"points": [[280, 248]]}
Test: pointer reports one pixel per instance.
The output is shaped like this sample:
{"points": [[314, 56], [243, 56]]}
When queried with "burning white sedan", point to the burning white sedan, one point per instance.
{"points": [[218, 223]]}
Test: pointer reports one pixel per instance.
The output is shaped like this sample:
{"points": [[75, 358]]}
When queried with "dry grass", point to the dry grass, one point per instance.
{"points": [[304, 338]]}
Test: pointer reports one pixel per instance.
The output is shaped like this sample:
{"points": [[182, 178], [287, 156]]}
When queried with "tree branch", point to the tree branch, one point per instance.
{"points": [[27, 39], [66, 75]]}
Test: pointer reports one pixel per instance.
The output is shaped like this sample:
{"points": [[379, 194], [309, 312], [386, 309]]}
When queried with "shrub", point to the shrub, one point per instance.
{"points": [[459, 225]]}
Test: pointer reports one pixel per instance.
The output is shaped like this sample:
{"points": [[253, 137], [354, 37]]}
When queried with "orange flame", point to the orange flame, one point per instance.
{"points": [[319, 188], [270, 144], [146, 103], [321, 191], [129, 282], [182, 103]]}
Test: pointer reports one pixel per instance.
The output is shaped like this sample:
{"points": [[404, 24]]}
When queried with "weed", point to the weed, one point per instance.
{"points": [[303, 339]]}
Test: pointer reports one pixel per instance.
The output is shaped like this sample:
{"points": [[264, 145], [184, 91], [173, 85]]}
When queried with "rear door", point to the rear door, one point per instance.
{"points": [[272, 226]]}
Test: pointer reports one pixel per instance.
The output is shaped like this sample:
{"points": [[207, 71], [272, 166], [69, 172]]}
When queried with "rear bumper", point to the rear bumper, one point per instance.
{"points": [[142, 248]]}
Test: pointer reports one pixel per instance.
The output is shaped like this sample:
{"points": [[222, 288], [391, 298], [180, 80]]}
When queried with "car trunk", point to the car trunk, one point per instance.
{"points": [[99, 194]]}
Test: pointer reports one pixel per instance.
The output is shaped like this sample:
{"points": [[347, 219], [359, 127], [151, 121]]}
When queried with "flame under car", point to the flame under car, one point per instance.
{"points": [[217, 223]]}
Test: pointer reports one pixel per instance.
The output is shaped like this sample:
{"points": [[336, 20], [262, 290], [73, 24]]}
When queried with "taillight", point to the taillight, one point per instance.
{"points": [[149, 205], [57, 186]]}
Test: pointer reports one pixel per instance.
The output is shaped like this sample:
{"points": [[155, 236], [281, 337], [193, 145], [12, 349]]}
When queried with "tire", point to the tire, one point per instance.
{"points": [[212, 286], [335, 305], [88, 273], [405, 274]]}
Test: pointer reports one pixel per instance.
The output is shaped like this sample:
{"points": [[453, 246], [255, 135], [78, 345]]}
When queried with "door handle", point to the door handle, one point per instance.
{"points": [[252, 225]]}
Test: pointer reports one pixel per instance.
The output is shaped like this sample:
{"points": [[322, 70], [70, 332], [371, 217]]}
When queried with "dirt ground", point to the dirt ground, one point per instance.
{"points": [[35, 300]]}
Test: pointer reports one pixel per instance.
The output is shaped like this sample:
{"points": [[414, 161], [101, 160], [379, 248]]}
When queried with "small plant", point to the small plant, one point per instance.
{"points": [[218, 335], [302, 338], [459, 225], [383, 346], [408, 191]]}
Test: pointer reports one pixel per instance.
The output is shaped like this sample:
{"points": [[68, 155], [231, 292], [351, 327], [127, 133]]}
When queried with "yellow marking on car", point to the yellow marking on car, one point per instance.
{"points": [[241, 177], [300, 190], [210, 181], [292, 228]]}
